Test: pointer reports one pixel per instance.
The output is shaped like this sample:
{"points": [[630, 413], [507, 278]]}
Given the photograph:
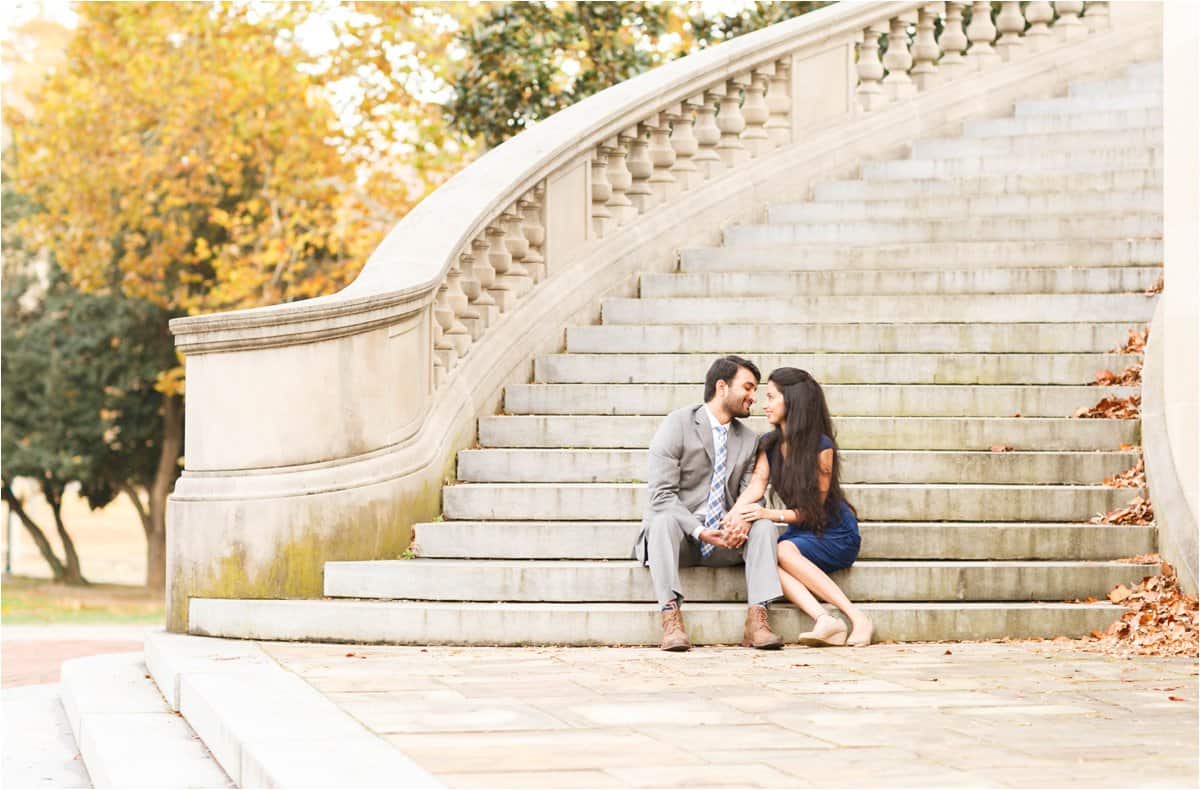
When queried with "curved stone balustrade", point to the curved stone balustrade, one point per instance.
{"points": [[322, 429]]}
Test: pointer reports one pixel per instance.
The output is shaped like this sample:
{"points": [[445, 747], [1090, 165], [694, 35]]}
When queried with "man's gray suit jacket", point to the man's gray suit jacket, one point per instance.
{"points": [[681, 467]]}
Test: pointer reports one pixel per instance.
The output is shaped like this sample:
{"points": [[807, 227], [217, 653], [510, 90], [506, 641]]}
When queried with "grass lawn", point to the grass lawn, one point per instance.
{"points": [[28, 601]]}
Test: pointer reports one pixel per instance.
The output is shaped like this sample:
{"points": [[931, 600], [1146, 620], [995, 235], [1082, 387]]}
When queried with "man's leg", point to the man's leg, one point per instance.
{"points": [[665, 536]]}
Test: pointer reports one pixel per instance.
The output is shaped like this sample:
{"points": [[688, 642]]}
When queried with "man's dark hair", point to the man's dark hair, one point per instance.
{"points": [[725, 369]]}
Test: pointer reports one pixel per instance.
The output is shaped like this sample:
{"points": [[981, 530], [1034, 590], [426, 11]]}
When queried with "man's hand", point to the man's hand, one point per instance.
{"points": [[716, 537], [736, 530]]}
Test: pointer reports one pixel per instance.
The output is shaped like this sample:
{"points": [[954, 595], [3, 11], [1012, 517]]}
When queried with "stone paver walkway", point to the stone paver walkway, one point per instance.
{"points": [[1042, 714]]}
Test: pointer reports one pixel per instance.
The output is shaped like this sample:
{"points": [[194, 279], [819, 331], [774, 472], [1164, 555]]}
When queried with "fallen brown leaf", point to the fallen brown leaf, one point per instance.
{"points": [[1173, 698], [1135, 343], [1129, 377], [1002, 448], [1113, 409], [1138, 511], [1157, 288]]}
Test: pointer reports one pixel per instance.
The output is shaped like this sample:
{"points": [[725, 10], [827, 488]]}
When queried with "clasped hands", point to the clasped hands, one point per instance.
{"points": [[735, 526]]}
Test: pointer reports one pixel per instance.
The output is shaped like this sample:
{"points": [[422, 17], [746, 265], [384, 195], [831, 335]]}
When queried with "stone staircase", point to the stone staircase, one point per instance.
{"points": [[950, 303]]}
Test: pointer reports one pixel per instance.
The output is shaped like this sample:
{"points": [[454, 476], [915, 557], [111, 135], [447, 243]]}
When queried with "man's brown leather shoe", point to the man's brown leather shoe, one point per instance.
{"points": [[758, 631], [674, 637]]}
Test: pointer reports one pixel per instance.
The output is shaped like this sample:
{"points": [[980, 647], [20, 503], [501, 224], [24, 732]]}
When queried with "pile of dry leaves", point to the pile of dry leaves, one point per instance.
{"points": [[1134, 477], [1135, 343], [1129, 377], [1160, 620], [1114, 408], [1138, 511], [1157, 288]]}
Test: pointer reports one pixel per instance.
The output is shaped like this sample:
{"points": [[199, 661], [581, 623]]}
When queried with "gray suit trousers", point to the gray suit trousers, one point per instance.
{"points": [[669, 546]]}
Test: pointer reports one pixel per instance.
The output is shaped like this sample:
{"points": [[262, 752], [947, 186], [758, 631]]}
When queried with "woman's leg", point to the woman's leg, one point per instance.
{"points": [[815, 581], [798, 594]]}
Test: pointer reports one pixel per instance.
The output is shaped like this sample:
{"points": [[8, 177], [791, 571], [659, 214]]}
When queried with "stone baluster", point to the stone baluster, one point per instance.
{"points": [[501, 260], [731, 123], [445, 352], [1068, 23], [925, 48], [440, 374], [1038, 15], [755, 112], [708, 134], [485, 275], [683, 142], [459, 333], [663, 157], [640, 168], [535, 232], [601, 193], [870, 69], [953, 43], [1011, 24], [469, 310], [779, 104], [619, 179], [1095, 16], [982, 32], [898, 60], [518, 277]]}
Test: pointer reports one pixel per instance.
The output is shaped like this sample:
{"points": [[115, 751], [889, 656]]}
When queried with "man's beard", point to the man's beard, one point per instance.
{"points": [[737, 407]]}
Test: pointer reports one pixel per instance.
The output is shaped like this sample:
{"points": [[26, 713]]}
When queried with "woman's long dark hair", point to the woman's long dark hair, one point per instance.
{"points": [[796, 480]]}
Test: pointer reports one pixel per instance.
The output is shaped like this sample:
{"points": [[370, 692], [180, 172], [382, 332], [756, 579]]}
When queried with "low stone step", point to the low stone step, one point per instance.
{"points": [[910, 400], [949, 255], [1140, 85], [1110, 120], [1112, 226], [127, 735], [831, 338], [517, 624], [569, 581], [1146, 70], [886, 308], [838, 368], [853, 433], [1020, 183], [1087, 105], [613, 540], [1032, 144], [526, 465], [894, 502], [1060, 163], [992, 205], [1110, 279]]}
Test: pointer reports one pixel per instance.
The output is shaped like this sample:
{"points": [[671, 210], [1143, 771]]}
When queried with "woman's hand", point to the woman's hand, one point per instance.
{"points": [[752, 513]]}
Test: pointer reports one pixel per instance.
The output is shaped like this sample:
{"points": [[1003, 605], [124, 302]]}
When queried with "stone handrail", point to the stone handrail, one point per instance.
{"points": [[322, 429]]}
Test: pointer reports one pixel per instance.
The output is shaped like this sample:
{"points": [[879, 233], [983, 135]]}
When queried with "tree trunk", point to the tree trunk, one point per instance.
{"points": [[159, 489], [39, 537], [74, 574]]}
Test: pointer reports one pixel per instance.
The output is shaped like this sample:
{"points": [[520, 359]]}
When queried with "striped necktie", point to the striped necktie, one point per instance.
{"points": [[716, 487]]}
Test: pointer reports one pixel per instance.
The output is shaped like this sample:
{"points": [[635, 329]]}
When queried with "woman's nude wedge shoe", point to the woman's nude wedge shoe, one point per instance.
{"points": [[861, 637], [828, 631]]}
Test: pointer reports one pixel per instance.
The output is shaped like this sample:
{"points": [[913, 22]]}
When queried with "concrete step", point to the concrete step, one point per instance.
{"points": [[853, 433], [952, 255], [570, 581], [526, 465], [894, 540], [913, 400], [267, 726], [1109, 279], [1151, 84], [831, 338], [1064, 185], [1035, 144], [1111, 120], [1111, 226], [894, 502], [887, 308], [518, 624], [1149, 70], [1087, 105], [127, 734], [993, 205], [1063, 163], [838, 368]]}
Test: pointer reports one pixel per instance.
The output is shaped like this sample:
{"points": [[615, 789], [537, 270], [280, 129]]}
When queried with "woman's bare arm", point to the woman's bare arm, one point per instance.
{"points": [[824, 472]]}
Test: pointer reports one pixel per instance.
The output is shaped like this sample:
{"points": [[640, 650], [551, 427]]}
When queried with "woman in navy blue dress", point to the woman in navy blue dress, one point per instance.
{"points": [[799, 460]]}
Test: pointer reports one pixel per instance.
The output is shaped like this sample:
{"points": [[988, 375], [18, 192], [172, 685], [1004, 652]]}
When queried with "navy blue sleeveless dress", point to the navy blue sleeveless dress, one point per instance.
{"points": [[837, 546]]}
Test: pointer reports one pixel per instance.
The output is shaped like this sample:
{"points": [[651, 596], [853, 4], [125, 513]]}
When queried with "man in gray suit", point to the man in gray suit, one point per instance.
{"points": [[700, 460]]}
